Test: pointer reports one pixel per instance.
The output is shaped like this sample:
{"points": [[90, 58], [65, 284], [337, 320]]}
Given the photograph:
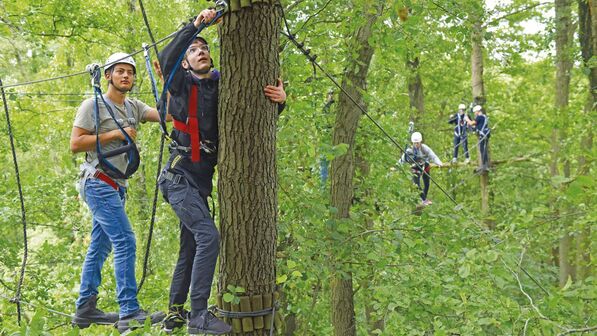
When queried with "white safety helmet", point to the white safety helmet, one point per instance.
{"points": [[119, 58], [416, 137], [461, 107], [477, 108]]}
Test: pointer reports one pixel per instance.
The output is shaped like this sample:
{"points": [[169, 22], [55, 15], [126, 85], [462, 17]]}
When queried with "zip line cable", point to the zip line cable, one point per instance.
{"points": [[312, 59], [169, 36], [17, 297]]}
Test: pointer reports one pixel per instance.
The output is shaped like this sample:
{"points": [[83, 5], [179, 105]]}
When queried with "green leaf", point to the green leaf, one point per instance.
{"points": [[464, 271], [281, 279], [227, 297]]}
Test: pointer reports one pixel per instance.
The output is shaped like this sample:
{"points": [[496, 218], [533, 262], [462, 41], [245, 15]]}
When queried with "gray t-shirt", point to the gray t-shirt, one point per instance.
{"points": [[85, 119]]}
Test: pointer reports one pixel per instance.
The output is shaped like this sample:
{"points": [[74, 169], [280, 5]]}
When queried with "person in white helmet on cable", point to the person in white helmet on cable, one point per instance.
{"points": [[483, 131], [420, 156], [460, 137], [105, 194]]}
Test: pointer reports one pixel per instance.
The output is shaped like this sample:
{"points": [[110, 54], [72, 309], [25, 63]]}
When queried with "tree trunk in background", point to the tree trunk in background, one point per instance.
{"points": [[588, 42], [342, 171], [563, 38], [415, 89], [478, 89], [247, 151]]}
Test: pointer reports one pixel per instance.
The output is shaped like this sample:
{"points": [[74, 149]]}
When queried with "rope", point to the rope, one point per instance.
{"points": [[39, 306], [154, 90], [256, 313], [17, 297]]}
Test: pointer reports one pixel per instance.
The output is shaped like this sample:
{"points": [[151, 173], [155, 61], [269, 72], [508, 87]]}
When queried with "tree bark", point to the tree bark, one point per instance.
{"points": [[342, 170], [247, 151], [478, 89], [588, 42], [415, 88], [564, 29]]}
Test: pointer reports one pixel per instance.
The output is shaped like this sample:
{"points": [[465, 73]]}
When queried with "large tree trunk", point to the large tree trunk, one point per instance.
{"points": [[415, 88], [478, 89], [347, 120], [563, 38], [588, 42], [247, 155]]}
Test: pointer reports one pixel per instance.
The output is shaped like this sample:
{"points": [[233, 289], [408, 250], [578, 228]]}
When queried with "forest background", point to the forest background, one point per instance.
{"points": [[514, 256]]}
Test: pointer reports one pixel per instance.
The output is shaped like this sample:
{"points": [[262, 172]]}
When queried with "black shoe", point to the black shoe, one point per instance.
{"points": [[207, 323], [88, 314], [175, 320], [137, 320]]}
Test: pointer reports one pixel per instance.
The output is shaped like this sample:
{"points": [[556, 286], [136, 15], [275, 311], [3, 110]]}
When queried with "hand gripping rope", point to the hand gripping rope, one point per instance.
{"points": [[129, 147]]}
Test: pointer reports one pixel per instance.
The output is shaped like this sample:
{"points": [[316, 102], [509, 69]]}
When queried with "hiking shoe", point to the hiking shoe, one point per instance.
{"points": [[175, 320], [428, 202], [454, 160], [137, 320], [467, 161], [88, 314], [207, 323]]}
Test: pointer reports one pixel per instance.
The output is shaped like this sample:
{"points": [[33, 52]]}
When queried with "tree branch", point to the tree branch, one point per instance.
{"points": [[515, 12]]}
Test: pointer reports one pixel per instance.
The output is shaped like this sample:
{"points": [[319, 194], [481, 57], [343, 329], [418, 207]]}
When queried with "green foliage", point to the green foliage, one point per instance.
{"points": [[440, 273]]}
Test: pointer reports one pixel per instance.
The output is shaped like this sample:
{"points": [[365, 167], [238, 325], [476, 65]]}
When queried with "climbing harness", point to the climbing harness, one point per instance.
{"points": [[484, 131], [129, 148]]}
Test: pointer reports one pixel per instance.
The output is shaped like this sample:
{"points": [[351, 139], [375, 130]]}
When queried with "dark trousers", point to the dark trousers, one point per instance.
{"points": [[417, 179], [484, 148], [199, 245], [460, 140]]}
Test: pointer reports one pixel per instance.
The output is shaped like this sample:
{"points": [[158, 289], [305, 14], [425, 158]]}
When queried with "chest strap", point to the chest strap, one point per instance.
{"points": [[191, 126]]}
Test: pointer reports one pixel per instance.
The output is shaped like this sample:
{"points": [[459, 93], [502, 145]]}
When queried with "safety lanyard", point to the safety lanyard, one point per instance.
{"points": [[154, 90]]}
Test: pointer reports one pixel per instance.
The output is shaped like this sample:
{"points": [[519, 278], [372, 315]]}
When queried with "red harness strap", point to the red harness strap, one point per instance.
{"points": [[191, 127], [99, 175]]}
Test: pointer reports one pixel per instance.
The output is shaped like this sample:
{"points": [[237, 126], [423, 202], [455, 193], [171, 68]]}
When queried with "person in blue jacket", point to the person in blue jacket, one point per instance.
{"points": [[483, 131], [460, 133]]}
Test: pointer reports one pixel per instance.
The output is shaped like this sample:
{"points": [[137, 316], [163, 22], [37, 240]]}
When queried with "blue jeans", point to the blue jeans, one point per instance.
{"points": [[111, 227]]}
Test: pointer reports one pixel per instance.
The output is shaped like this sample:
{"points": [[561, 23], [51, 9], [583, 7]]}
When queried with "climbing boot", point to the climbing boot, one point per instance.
{"points": [[89, 314], [175, 319], [137, 320], [207, 323]]}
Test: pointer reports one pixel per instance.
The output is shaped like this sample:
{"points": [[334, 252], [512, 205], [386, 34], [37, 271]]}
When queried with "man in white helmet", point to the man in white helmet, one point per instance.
{"points": [[481, 124], [420, 156], [460, 136], [105, 195]]}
